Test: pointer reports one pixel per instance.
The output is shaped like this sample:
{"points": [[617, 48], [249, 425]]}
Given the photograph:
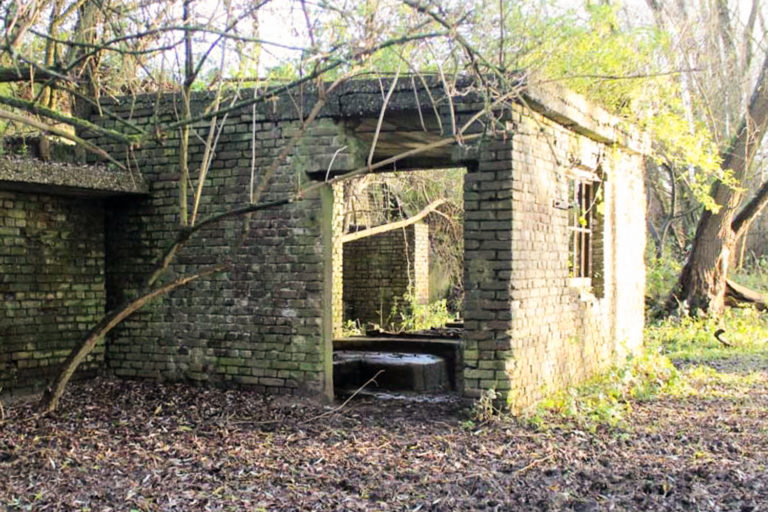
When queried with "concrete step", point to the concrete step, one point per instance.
{"points": [[424, 373]]}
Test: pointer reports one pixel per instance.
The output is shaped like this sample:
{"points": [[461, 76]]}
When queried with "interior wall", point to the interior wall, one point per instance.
{"points": [[51, 285], [381, 270]]}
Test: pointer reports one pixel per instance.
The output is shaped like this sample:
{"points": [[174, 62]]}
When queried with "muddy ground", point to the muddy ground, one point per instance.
{"points": [[141, 446]]}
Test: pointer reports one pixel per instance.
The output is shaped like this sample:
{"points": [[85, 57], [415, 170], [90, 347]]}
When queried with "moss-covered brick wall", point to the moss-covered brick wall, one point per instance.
{"points": [[51, 284], [380, 270], [261, 323], [531, 328]]}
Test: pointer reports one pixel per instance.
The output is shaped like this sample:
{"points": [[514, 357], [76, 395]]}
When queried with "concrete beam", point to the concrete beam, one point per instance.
{"points": [[30, 175]]}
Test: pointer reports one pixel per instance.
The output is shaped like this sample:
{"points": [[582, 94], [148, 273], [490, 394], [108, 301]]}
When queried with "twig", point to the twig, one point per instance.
{"points": [[313, 418], [532, 464], [340, 407], [333, 159], [381, 117], [11, 116], [718, 334]]}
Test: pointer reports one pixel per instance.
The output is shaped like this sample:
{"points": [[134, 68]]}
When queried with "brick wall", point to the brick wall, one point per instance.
{"points": [[530, 329], [268, 321], [51, 284], [488, 263], [380, 270], [260, 324]]}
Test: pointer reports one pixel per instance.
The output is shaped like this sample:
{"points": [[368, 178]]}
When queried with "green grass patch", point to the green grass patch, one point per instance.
{"points": [[606, 400], [693, 339], [681, 358]]}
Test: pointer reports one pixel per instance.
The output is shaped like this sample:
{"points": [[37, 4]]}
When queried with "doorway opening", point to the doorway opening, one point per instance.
{"points": [[398, 281]]}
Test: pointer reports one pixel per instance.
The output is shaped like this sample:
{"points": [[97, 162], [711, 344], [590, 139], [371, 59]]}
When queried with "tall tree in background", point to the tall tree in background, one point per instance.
{"points": [[703, 281], [724, 86], [697, 83]]}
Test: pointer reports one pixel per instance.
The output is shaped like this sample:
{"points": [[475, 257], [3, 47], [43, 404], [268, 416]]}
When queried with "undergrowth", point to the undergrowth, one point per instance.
{"points": [[693, 339], [408, 314], [675, 362], [607, 400], [661, 276], [352, 328]]}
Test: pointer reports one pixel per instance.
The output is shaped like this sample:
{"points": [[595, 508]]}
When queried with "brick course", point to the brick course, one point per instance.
{"points": [[380, 270]]}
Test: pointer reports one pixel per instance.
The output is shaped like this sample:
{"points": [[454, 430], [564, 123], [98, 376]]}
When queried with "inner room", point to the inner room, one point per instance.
{"points": [[401, 265]]}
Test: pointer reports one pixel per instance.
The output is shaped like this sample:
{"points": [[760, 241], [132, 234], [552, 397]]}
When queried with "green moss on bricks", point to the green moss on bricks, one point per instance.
{"points": [[55, 281]]}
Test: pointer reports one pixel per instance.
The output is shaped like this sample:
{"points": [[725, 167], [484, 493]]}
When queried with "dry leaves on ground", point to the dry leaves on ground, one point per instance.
{"points": [[128, 446]]}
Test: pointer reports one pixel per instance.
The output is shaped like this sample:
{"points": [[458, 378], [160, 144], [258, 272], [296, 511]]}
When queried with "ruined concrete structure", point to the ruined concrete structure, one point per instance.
{"points": [[554, 237]]}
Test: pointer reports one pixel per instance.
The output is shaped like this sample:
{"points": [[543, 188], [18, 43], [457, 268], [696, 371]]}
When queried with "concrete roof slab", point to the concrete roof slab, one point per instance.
{"points": [[31, 175]]}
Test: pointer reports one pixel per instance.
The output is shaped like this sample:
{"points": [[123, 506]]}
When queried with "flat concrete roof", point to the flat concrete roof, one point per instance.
{"points": [[363, 99], [31, 175]]}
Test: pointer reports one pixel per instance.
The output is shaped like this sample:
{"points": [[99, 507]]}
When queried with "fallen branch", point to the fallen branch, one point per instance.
{"points": [[737, 293], [33, 108], [29, 74], [28, 121], [51, 396], [340, 407], [718, 334], [322, 415], [532, 464], [349, 237]]}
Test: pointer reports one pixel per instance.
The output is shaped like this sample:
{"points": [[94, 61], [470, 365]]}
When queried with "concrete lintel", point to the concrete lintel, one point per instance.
{"points": [[67, 179], [576, 113]]}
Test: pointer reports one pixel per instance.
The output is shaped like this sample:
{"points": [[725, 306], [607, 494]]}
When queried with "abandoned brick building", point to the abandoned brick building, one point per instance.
{"points": [[554, 236]]}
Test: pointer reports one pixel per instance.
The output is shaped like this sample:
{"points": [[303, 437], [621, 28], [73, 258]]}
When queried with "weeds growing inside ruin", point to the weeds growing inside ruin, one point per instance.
{"points": [[408, 314]]}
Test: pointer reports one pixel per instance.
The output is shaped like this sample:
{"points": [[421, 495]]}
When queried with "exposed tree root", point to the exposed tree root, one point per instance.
{"points": [[738, 294], [719, 337]]}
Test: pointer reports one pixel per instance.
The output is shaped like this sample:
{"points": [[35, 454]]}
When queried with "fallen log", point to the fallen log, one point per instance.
{"points": [[738, 294], [357, 235]]}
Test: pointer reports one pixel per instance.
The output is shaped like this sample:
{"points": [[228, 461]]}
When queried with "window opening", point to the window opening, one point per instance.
{"points": [[585, 230], [582, 199]]}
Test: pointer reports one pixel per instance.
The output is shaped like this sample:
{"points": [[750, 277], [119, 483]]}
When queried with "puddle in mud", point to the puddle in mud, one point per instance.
{"points": [[404, 396]]}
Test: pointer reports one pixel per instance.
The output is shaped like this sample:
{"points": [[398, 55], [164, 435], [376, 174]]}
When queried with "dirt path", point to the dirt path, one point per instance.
{"points": [[141, 446]]}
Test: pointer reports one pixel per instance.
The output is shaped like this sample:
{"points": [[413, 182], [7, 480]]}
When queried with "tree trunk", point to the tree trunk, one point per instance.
{"points": [[702, 282], [52, 395]]}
